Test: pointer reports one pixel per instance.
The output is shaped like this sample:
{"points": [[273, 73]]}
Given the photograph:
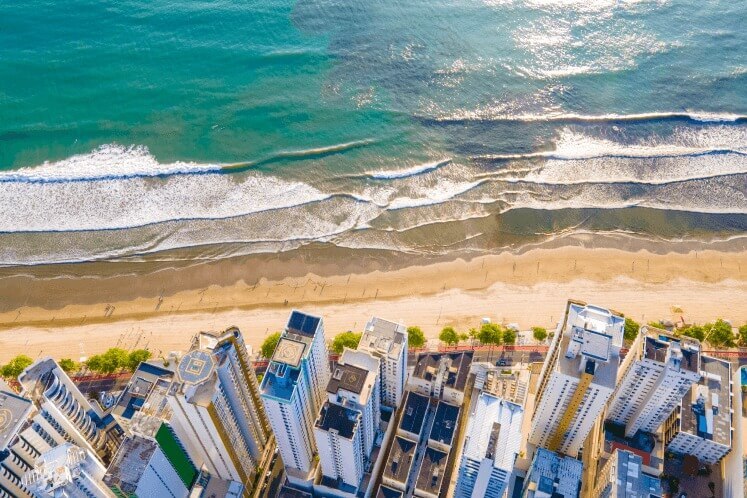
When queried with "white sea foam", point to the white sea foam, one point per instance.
{"points": [[572, 145], [106, 162], [412, 171], [497, 114]]}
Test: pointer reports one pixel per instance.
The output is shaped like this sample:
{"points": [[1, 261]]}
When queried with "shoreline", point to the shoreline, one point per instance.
{"points": [[169, 305]]}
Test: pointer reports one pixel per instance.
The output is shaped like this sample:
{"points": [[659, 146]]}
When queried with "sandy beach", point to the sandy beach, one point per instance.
{"points": [[80, 311]]}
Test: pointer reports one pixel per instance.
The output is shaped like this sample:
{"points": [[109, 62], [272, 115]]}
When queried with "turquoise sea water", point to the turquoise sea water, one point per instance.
{"points": [[433, 126]]}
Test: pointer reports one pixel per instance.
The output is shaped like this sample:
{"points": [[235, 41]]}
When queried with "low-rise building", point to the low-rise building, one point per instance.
{"points": [[553, 476], [621, 476], [413, 415], [444, 426], [431, 476], [398, 465], [442, 375]]}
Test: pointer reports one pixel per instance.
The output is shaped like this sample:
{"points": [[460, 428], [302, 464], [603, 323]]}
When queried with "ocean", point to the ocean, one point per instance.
{"points": [[136, 129]]}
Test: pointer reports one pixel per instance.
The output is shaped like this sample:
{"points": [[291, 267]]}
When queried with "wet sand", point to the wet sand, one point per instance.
{"points": [[79, 310]]}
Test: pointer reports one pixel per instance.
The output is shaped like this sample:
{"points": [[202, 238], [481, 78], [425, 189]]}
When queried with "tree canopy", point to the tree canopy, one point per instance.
{"points": [[112, 360], [694, 331], [346, 339], [16, 366], [539, 333], [136, 357], [719, 334], [268, 346], [68, 365], [415, 337], [449, 336], [631, 329], [490, 333], [743, 335], [509, 336]]}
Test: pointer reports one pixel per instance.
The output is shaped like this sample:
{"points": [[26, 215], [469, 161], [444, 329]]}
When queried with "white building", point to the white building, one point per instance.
{"points": [[67, 471], [442, 375], [152, 466], [622, 477], [355, 385], [491, 446], [388, 341], [339, 436], [50, 412], [293, 391], [578, 378], [702, 426], [662, 371], [214, 407], [553, 476], [64, 407]]}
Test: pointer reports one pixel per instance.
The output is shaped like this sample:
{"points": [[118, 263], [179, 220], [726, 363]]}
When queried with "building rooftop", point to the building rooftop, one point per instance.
{"points": [[130, 463], [289, 351], [413, 412], [302, 324], [684, 354], [144, 380], [494, 431], [432, 471], [280, 381], [454, 366], [196, 366], [445, 423], [590, 343], [387, 492], [706, 409], [347, 377], [630, 480], [384, 337], [556, 476], [401, 457], [14, 411], [338, 418]]}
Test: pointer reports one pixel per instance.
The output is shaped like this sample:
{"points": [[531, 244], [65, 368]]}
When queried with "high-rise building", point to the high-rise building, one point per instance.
{"points": [[152, 466], [293, 391], [66, 410], [491, 445], [346, 428], [621, 477], [67, 471], [355, 384], [388, 341], [702, 426], [215, 407], [339, 438], [662, 371], [552, 476], [578, 378], [17, 456]]}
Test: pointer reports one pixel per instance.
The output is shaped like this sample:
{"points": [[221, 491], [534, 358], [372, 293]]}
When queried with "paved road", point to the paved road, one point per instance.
{"points": [[733, 463]]}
